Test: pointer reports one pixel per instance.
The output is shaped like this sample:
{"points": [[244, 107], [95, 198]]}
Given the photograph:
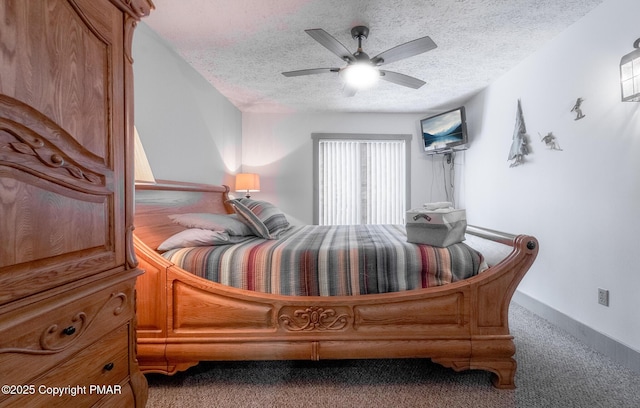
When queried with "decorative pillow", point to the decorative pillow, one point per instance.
{"points": [[265, 218], [257, 226], [199, 237], [229, 223]]}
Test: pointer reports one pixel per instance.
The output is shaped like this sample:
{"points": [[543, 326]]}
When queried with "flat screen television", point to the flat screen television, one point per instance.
{"points": [[444, 132]]}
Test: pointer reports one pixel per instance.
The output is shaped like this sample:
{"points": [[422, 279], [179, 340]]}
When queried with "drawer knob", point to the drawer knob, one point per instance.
{"points": [[108, 367], [69, 330]]}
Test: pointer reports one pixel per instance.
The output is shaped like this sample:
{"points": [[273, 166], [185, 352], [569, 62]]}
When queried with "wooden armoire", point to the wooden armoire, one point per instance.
{"points": [[67, 266]]}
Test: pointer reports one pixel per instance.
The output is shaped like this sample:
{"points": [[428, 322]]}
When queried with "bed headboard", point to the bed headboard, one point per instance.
{"points": [[155, 202]]}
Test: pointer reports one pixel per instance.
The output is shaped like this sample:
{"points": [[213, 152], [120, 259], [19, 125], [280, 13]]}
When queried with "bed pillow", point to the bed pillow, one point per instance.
{"points": [[257, 226], [266, 219], [229, 223], [194, 237]]}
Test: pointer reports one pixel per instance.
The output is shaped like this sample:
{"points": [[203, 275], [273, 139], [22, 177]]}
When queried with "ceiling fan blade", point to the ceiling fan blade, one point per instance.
{"points": [[330, 43], [311, 71], [406, 50], [401, 79]]}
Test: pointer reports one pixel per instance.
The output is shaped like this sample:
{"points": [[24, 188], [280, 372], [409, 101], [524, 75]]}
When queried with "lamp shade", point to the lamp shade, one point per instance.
{"points": [[630, 74], [141, 167], [247, 182]]}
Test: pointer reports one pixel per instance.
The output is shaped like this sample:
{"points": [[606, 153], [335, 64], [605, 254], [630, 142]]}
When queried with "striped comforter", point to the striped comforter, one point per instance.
{"points": [[333, 260]]}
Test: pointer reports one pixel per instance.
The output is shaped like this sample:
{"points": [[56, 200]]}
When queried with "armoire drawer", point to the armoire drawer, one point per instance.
{"points": [[98, 371], [38, 337]]}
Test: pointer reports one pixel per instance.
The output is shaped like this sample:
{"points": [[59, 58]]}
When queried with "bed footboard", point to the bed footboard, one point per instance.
{"points": [[183, 319]]}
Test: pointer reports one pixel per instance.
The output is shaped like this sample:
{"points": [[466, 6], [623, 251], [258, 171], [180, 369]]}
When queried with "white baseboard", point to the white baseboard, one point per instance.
{"points": [[616, 351]]}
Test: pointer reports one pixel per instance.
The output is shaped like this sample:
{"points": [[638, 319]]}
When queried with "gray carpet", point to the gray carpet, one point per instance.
{"points": [[554, 370]]}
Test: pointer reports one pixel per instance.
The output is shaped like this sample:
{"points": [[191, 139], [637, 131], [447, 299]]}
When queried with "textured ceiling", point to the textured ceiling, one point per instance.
{"points": [[242, 46]]}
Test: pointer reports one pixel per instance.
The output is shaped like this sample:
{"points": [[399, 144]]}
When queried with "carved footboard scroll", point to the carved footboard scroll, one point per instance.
{"points": [[492, 345]]}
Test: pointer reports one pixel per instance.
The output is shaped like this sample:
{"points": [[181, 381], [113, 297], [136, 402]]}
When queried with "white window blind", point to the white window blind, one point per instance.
{"points": [[361, 181]]}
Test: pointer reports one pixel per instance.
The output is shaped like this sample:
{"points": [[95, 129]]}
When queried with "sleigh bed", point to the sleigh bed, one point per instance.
{"points": [[183, 319]]}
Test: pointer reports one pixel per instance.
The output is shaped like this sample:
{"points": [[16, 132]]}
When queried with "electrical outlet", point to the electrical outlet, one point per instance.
{"points": [[603, 297]]}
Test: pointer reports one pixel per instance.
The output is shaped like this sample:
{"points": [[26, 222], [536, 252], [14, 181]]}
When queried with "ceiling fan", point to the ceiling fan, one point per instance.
{"points": [[361, 71]]}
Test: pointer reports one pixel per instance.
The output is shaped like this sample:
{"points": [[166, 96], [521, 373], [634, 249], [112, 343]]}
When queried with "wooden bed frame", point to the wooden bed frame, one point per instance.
{"points": [[183, 319]]}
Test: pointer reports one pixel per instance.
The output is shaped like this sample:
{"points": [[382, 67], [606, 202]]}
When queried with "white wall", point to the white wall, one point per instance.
{"points": [[189, 130], [581, 203], [279, 148]]}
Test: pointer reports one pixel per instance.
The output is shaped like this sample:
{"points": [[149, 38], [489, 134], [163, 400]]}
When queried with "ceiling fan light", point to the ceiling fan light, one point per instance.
{"points": [[360, 75]]}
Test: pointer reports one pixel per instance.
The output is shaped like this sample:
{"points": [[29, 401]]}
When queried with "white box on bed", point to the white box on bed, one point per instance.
{"points": [[441, 227]]}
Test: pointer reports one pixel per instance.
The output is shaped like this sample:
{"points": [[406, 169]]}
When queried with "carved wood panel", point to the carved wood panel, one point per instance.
{"points": [[62, 143]]}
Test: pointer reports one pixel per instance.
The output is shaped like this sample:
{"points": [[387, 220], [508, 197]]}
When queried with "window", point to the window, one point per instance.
{"points": [[360, 179]]}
